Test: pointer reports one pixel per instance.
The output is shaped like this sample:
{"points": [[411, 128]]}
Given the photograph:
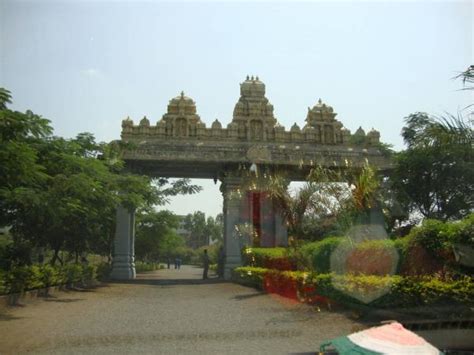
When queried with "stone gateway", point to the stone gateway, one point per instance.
{"points": [[180, 145]]}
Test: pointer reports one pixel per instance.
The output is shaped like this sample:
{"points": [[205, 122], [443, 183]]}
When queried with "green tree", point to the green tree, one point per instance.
{"points": [[195, 223], [62, 194], [215, 228], [435, 174], [153, 233]]}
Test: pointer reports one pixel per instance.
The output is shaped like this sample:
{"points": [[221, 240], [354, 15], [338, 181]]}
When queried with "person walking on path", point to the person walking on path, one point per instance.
{"points": [[205, 260]]}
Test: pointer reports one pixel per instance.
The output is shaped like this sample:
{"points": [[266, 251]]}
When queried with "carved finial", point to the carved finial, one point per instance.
{"points": [[252, 78], [182, 93], [256, 77], [320, 101], [247, 77]]}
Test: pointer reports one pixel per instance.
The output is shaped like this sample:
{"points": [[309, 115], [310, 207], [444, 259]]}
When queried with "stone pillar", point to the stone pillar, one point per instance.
{"points": [[281, 231], [123, 264], [232, 243], [267, 222]]}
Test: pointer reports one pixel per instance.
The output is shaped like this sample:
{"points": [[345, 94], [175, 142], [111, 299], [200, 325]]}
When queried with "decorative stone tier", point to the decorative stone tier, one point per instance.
{"points": [[253, 121], [208, 159]]}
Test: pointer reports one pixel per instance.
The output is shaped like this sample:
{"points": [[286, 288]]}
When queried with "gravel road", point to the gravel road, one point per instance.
{"points": [[168, 312]]}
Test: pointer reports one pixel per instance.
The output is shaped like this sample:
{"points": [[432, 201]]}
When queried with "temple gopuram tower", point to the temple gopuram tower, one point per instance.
{"points": [[253, 113]]}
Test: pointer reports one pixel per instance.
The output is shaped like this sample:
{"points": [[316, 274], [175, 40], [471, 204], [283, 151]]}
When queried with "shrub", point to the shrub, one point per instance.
{"points": [[49, 275], [433, 235], [318, 254], [270, 258], [463, 231], [103, 271], [400, 291], [22, 278], [89, 274], [141, 266], [249, 276], [290, 284], [72, 273], [373, 257]]}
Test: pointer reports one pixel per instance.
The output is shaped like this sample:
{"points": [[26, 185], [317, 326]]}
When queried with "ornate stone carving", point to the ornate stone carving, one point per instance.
{"points": [[373, 137], [253, 121], [258, 154], [253, 113]]}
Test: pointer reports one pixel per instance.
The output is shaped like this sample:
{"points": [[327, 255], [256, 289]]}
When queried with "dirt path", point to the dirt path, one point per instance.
{"points": [[168, 311]]}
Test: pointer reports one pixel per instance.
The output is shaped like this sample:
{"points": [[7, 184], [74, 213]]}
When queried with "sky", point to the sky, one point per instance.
{"points": [[86, 65]]}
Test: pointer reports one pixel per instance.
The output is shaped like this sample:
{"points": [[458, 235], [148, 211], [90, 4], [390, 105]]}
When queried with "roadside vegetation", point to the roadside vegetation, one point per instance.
{"points": [[369, 241], [58, 198]]}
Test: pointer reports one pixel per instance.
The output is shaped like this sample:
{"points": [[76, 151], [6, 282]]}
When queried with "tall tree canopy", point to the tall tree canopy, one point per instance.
{"points": [[62, 194], [435, 174]]}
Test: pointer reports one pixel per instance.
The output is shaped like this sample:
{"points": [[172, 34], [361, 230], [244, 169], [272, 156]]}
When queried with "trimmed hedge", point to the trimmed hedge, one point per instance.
{"points": [[395, 291], [378, 257], [390, 291], [270, 258], [290, 284], [25, 278], [143, 267]]}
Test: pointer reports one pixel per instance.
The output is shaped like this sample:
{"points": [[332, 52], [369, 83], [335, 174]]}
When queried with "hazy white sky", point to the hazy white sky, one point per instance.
{"points": [[86, 65]]}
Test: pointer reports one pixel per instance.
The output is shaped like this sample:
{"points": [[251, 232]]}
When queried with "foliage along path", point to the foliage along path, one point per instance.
{"points": [[169, 311]]}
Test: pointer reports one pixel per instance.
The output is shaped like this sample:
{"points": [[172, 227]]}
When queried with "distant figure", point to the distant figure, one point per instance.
{"points": [[168, 262], [178, 260], [220, 262], [205, 260]]}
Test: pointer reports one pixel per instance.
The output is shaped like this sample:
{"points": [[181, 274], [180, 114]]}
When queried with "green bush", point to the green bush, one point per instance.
{"points": [[402, 291], [103, 271], [433, 235], [318, 254], [72, 273], [370, 256], [290, 284], [250, 276], [89, 274], [429, 248], [141, 266], [270, 258], [463, 231], [49, 275], [22, 278]]}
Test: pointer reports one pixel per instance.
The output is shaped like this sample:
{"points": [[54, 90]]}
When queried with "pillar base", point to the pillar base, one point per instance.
{"points": [[230, 264], [123, 268]]}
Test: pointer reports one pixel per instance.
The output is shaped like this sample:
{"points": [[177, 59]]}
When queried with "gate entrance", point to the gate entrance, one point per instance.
{"points": [[180, 145]]}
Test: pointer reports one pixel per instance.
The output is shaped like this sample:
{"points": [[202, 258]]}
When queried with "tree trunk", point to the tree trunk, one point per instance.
{"points": [[55, 256]]}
